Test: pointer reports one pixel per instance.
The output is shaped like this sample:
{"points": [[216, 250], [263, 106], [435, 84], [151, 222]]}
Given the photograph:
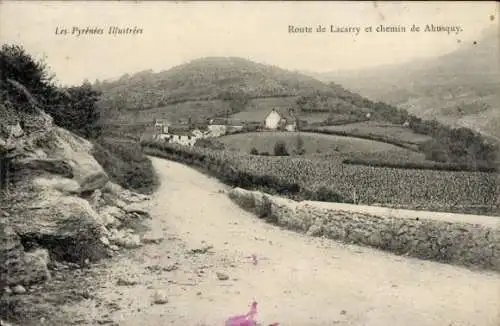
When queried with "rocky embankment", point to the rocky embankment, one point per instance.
{"points": [[459, 243], [60, 207]]}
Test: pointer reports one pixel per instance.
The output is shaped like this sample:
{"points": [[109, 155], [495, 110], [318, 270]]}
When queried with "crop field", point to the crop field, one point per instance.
{"points": [[468, 192], [315, 143], [373, 128]]}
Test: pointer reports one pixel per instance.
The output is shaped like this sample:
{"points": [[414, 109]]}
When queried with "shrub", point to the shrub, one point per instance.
{"points": [[126, 164], [254, 151], [280, 149]]}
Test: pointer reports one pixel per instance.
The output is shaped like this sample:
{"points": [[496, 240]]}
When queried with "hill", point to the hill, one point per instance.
{"points": [[216, 86], [208, 87], [461, 88]]}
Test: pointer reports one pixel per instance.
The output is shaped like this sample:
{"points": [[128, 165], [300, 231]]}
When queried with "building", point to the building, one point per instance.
{"points": [[161, 126], [278, 121], [273, 119]]}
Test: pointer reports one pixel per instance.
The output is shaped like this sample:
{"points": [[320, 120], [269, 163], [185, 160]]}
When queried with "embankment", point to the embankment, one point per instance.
{"points": [[444, 239]]}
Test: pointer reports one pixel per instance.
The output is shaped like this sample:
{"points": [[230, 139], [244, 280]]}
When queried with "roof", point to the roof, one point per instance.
{"points": [[162, 121], [284, 114], [224, 121], [177, 129]]}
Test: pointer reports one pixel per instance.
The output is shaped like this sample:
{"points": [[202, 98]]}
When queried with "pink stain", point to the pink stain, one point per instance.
{"points": [[244, 320]]}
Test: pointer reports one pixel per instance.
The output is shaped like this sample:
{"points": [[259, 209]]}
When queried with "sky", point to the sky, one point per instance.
{"points": [[177, 32]]}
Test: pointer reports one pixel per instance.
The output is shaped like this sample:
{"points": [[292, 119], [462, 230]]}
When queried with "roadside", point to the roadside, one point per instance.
{"points": [[198, 270]]}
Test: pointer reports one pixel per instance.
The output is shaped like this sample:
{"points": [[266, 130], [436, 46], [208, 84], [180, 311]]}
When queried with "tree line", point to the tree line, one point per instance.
{"points": [[25, 84]]}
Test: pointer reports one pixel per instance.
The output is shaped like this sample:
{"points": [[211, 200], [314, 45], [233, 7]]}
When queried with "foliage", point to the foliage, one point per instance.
{"points": [[280, 149], [73, 108], [254, 151], [17, 65], [125, 163], [210, 143], [299, 146]]}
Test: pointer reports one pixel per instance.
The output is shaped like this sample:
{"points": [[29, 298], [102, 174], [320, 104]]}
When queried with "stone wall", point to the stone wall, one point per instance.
{"points": [[465, 244]]}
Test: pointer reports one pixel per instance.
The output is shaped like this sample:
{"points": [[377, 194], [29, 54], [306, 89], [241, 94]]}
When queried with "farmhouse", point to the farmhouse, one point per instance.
{"points": [[161, 126], [221, 126], [275, 120]]}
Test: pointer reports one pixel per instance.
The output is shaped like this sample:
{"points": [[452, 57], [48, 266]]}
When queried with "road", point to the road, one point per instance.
{"points": [[297, 280]]}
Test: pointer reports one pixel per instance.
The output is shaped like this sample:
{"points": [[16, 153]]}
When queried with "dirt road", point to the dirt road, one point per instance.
{"points": [[297, 280]]}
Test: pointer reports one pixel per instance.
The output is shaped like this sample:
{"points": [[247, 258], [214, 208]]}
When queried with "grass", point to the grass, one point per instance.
{"points": [[315, 143], [126, 164], [389, 131]]}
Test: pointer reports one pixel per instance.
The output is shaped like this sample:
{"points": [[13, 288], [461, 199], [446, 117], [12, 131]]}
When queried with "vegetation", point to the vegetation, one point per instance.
{"points": [[309, 143], [125, 163], [317, 177], [280, 149], [26, 86]]}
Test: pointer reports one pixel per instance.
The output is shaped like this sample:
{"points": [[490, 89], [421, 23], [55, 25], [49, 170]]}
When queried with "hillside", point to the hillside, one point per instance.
{"points": [[459, 88], [206, 87]]}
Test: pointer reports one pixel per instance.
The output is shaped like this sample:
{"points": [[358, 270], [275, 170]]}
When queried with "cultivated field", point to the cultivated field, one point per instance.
{"points": [[315, 143], [389, 131], [466, 192]]}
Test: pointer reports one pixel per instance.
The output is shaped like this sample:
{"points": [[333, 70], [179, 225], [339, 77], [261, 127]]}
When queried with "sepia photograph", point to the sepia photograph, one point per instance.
{"points": [[259, 163]]}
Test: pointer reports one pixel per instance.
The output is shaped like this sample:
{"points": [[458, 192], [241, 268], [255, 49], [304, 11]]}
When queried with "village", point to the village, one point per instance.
{"points": [[188, 133]]}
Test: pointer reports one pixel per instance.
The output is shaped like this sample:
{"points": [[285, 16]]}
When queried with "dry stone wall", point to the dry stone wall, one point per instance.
{"points": [[465, 244]]}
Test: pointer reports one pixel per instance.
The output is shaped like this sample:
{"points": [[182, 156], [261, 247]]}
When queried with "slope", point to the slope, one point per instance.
{"points": [[459, 88]]}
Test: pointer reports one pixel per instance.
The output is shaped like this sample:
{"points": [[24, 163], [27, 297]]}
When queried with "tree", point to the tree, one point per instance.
{"points": [[19, 68], [254, 151], [280, 149], [299, 146]]}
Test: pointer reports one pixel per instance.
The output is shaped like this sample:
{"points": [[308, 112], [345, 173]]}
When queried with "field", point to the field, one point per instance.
{"points": [[389, 131], [259, 108], [315, 143], [467, 192]]}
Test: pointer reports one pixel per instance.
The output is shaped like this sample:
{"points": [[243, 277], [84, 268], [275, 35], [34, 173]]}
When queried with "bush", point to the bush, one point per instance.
{"points": [[126, 164], [280, 149], [254, 151]]}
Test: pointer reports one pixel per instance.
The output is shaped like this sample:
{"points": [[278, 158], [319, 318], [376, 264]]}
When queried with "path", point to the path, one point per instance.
{"points": [[297, 281]]}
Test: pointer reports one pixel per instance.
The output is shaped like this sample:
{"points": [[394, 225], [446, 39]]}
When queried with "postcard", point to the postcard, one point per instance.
{"points": [[249, 163]]}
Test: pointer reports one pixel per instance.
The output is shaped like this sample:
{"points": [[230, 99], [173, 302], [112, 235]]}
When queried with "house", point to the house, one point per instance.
{"points": [[161, 126], [276, 120], [273, 119]]}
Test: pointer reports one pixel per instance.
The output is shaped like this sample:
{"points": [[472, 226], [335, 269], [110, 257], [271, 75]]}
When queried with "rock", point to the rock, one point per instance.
{"points": [[222, 276], [55, 166], [96, 199], [37, 262], [94, 181], [18, 267], [160, 297], [78, 152], [105, 241], [67, 226], [63, 185], [125, 282], [7, 290], [113, 188], [19, 289], [136, 208], [124, 239], [150, 238]]}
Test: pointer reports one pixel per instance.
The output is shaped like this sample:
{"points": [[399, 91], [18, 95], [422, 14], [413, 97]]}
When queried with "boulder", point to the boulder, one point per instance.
{"points": [[63, 185], [54, 166], [78, 153], [18, 267], [67, 226], [136, 208]]}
